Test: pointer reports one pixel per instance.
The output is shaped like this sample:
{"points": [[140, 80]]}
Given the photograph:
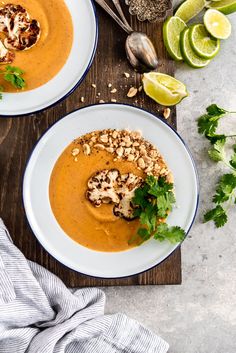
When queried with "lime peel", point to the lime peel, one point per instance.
{"points": [[172, 28]]}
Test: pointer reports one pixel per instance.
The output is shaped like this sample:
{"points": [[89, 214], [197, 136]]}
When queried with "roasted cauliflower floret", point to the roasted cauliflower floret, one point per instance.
{"points": [[101, 187], [109, 186], [6, 57], [126, 186], [21, 32]]}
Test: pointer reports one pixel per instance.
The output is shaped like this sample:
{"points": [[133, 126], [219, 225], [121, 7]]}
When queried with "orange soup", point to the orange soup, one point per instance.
{"points": [[46, 58]]}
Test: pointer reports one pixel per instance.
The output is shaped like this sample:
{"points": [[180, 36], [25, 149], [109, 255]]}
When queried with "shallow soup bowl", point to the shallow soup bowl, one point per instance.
{"points": [[42, 161], [85, 34]]}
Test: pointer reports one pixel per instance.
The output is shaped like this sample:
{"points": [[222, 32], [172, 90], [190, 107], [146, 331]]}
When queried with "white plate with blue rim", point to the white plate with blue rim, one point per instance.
{"points": [[72, 73], [40, 166]]}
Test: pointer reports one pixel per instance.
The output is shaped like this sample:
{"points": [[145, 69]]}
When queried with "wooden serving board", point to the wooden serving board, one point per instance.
{"points": [[19, 135]]}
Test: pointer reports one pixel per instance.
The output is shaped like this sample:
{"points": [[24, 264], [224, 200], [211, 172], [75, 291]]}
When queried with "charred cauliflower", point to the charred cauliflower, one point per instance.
{"points": [[109, 186]]}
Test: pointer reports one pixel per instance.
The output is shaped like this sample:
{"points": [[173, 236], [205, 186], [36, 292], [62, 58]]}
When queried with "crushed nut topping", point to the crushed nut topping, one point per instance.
{"points": [[75, 152], [166, 113], [125, 145], [132, 92]]}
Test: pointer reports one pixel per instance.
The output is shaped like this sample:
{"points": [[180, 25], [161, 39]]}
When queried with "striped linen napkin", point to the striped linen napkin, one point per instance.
{"points": [[38, 314]]}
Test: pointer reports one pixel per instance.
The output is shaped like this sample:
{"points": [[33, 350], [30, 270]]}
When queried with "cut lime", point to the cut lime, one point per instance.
{"points": [[172, 28], [217, 24], [203, 44], [189, 9], [164, 89], [188, 54], [225, 6]]}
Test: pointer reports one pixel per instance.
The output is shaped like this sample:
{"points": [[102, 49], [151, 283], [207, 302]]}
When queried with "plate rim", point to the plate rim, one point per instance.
{"points": [[156, 116], [78, 82]]}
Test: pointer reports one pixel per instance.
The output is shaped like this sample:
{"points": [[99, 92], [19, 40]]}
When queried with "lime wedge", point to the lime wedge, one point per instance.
{"points": [[188, 54], [189, 9], [172, 28], [225, 6], [203, 44], [217, 24], [164, 89]]}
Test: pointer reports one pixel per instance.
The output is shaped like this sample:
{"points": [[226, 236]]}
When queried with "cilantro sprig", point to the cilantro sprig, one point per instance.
{"points": [[13, 75], [153, 202], [225, 195]]}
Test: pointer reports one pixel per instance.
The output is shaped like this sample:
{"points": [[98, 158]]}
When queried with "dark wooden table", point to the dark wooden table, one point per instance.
{"points": [[19, 135]]}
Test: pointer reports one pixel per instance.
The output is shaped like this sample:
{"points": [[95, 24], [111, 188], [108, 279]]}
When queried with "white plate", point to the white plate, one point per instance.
{"points": [[73, 72], [45, 155]]}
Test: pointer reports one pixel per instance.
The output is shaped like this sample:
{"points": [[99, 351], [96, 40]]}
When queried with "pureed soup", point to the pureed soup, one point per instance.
{"points": [[42, 61], [92, 185]]}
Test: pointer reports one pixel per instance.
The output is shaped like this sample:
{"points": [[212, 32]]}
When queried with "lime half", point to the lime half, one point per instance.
{"points": [[217, 24], [225, 6], [172, 28], [164, 89], [189, 9], [202, 42], [189, 55]]}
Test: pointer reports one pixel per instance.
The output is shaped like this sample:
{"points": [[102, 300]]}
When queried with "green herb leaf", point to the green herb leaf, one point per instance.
{"points": [[207, 124], [217, 153], [153, 201], [218, 215], [172, 234], [232, 162], [144, 233], [213, 109], [214, 138], [225, 188], [13, 75]]}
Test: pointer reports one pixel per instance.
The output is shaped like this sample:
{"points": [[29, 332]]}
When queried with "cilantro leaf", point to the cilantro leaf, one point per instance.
{"points": [[207, 124], [216, 137], [172, 234], [232, 162], [213, 109], [144, 233], [13, 75], [153, 201], [218, 215], [217, 153], [225, 188]]}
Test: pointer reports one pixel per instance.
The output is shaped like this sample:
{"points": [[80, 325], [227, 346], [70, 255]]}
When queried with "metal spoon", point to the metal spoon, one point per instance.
{"points": [[139, 48]]}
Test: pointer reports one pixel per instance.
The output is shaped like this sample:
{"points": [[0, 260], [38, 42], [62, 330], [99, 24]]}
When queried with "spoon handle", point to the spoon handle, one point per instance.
{"points": [[107, 8], [121, 13]]}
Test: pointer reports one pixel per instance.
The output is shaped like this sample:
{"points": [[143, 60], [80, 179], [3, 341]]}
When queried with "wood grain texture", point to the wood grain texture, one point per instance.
{"points": [[19, 135]]}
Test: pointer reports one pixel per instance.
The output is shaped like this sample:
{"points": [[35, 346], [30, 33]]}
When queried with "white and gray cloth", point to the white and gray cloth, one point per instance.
{"points": [[38, 314]]}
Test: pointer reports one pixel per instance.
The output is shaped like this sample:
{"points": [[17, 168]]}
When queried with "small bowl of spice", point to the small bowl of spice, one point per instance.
{"points": [[150, 10]]}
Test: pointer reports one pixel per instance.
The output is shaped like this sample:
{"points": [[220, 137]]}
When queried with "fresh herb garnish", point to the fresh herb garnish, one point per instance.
{"points": [[154, 201], [13, 75], [226, 189]]}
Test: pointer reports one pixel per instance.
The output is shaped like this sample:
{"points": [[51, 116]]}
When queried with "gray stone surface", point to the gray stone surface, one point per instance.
{"points": [[200, 315]]}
